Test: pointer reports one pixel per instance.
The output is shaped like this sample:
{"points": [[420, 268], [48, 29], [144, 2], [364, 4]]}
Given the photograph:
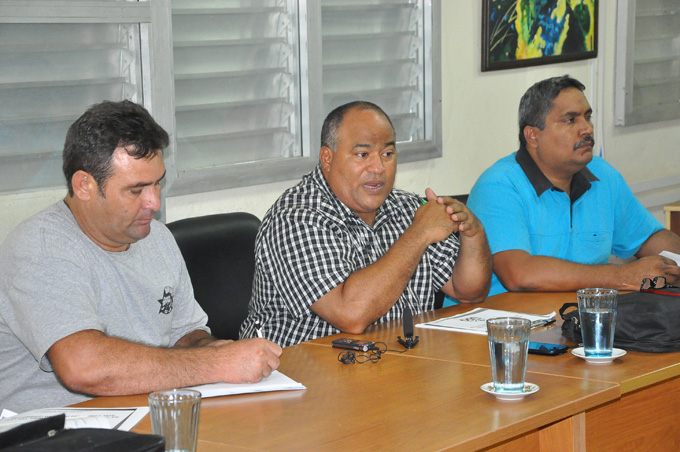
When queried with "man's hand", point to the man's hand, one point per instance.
{"points": [[248, 360], [649, 267], [464, 220], [433, 220]]}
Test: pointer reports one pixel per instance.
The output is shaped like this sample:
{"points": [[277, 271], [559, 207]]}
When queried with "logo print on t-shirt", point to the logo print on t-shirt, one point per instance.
{"points": [[167, 301]]}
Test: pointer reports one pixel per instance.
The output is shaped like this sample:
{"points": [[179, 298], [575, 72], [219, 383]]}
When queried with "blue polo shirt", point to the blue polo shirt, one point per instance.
{"points": [[522, 210]]}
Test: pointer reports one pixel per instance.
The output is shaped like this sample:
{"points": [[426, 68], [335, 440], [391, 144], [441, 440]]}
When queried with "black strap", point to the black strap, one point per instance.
{"points": [[566, 306]]}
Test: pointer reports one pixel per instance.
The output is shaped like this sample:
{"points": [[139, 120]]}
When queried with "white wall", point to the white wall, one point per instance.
{"points": [[479, 114]]}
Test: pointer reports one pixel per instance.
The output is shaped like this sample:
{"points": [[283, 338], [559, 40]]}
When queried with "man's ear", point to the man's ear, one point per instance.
{"points": [[84, 185], [326, 157], [530, 134]]}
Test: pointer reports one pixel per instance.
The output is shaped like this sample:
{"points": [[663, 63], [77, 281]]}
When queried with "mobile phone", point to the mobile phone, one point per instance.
{"points": [[353, 344], [541, 348]]}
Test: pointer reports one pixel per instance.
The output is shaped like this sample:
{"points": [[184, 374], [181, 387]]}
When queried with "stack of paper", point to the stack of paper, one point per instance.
{"points": [[274, 382], [475, 321]]}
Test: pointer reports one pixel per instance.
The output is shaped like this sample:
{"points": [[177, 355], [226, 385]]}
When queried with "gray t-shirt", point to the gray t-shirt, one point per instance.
{"points": [[55, 281]]}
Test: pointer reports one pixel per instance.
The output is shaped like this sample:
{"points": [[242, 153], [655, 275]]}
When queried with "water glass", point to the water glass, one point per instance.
{"points": [[508, 347], [597, 311], [174, 415]]}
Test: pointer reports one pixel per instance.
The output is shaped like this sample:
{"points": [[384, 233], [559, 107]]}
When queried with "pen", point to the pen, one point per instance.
{"points": [[258, 329], [423, 202]]}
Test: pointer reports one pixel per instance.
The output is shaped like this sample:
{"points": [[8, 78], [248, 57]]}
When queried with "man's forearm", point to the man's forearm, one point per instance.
{"points": [[472, 272], [369, 293], [107, 366], [111, 366], [542, 273], [663, 240], [196, 338]]}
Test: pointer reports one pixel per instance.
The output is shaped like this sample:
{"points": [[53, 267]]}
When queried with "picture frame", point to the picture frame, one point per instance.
{"points": [[522, 33]]}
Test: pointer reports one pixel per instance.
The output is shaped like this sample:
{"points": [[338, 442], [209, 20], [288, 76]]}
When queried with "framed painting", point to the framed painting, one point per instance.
{"points": [[519, 33]]}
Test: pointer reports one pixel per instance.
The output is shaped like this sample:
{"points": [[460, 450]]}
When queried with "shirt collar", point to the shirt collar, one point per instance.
{"points": [[580, 183], [384, 211]]}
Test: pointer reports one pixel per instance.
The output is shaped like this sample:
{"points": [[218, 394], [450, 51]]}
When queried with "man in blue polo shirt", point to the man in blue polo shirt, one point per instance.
{"points": [[554, 213]]}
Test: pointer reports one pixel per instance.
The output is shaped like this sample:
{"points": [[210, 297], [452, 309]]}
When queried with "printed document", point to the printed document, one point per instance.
{"points": [[475, 321], [111, 418]]}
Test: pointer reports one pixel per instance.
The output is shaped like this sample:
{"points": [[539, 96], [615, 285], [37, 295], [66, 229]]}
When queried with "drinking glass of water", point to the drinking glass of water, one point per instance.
{"points": [[174, 415], [597, 311], [508, 347]]}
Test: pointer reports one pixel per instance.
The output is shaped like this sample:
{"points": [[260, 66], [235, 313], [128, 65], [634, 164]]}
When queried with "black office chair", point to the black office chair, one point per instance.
{"points": [[219, 251]]}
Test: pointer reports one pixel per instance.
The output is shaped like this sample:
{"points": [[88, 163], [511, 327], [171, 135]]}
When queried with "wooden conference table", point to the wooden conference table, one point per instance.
{"points": [[429, 398]]}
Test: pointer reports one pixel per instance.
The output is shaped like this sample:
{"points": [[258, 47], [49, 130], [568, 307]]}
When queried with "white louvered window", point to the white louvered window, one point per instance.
{"points": [[236, 83], [53, 68], [242, 86], [375, 51], [648, 61]]}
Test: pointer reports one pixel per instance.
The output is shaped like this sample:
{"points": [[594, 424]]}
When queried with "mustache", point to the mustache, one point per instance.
{"points": [[587, 140]]}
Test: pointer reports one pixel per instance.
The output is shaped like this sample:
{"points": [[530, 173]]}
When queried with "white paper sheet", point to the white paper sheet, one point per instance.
{"points": [[274, 382], [668, 254], [475, 321], [111, 418]]}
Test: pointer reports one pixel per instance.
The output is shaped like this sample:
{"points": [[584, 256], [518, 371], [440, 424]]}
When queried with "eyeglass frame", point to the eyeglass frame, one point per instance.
{"points": [[653, 284]]}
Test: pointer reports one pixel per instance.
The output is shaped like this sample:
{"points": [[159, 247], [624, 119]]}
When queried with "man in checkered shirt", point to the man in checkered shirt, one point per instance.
{"points": [[343, 249]]}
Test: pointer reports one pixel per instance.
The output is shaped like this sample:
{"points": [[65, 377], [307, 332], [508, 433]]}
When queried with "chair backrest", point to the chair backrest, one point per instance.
{"points": [[219, 251]]}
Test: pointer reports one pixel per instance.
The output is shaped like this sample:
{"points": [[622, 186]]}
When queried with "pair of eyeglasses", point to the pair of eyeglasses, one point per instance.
{"points": [[658, 282]]}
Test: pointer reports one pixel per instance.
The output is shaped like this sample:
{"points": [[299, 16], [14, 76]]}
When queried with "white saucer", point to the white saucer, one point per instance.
{"points": [[529, 388], [616, 353]]}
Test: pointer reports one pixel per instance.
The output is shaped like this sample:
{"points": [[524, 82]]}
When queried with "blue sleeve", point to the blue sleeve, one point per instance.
{"points": [[497, 202]]}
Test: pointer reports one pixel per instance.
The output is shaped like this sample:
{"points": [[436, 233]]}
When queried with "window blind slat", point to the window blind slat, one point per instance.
{"points": [[251, 85], [368, 48], [228, 58], [208, 151]]}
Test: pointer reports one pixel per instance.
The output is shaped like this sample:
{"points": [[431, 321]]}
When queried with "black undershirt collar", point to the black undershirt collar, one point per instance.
{"points": [[580, 182]]}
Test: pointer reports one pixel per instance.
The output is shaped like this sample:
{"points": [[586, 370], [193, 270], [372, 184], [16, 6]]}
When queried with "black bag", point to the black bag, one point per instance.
{"points": [[645, 321], [49, 435]]}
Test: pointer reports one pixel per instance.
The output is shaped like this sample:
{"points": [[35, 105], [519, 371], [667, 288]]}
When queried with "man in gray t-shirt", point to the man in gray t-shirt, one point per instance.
{"points": [[95, 298]]}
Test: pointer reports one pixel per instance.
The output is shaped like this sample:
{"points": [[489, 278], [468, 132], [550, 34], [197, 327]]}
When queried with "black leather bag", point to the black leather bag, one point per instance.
{"points": [[49, 435], [645, 321]]}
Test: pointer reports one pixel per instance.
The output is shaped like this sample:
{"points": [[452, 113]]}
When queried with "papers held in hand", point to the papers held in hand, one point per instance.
{"points": [[475, 321]]}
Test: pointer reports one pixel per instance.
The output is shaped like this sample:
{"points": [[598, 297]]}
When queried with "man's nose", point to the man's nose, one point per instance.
{"points": [[586, 127], [376, 164], [152, 199]]}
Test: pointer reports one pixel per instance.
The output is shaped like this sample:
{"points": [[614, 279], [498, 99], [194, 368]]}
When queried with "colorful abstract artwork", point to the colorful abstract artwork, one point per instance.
{"points": [[518, 33]]}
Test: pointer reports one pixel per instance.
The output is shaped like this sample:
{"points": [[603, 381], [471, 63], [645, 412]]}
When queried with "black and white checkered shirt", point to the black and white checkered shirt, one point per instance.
{"points": [[309, 242]]}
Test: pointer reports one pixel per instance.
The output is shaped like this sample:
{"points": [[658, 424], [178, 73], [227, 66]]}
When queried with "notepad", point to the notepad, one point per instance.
{"points": [[475, 321], [274, 382]]}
